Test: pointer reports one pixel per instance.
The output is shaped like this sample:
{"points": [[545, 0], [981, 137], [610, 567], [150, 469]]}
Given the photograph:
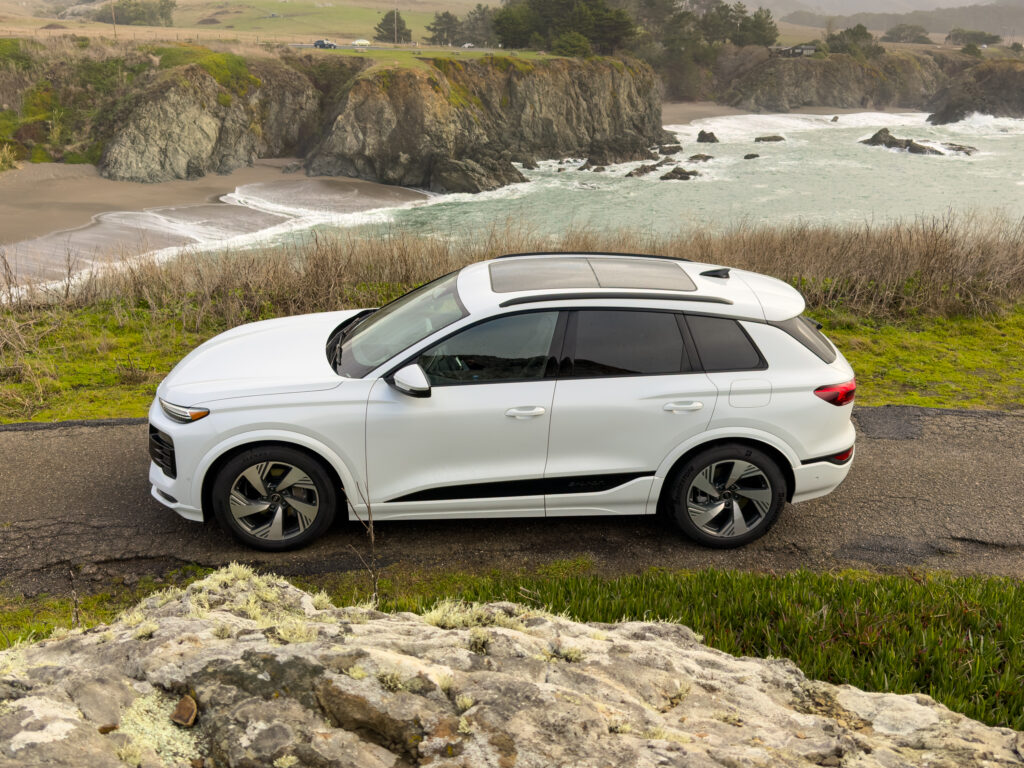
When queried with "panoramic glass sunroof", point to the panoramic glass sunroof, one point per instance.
{"points": [[557, 273]]}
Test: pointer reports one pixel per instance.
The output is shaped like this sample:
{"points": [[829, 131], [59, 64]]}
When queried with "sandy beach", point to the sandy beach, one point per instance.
{"points": [[50, 212]]}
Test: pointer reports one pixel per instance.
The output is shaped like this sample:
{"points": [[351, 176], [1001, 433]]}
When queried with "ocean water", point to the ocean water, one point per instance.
{"points": [[819, 174]]}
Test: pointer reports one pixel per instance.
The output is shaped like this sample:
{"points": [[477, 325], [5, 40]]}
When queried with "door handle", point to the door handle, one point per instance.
{"points": [[685, 405], [525, 412]]}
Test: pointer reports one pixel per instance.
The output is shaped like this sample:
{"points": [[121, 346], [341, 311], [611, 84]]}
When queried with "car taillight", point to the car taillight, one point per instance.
{"points": [[838, 394], [842, 458]]}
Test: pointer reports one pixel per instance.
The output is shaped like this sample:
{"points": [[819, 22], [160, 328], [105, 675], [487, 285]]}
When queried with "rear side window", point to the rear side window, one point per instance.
{"points": [[808, 333], [624, 343], [723, 345]]}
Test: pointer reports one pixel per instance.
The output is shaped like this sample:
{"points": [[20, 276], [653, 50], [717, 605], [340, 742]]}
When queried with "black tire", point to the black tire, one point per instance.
{"points": [[294, 514], [752, 501]]}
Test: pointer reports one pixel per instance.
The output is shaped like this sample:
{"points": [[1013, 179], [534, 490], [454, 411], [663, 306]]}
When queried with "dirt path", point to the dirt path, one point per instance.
{"points": [[929, 489]]}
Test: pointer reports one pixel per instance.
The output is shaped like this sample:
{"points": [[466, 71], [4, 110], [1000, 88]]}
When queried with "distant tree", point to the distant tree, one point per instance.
{"points": [[719, 23], [906, 33], [971, 50], [514, 25], [613, 29], [759, 29], [856, 41], [478, 27], [1017, 48], [960, 36], [444, 29], [572, 44], [392, 29]]}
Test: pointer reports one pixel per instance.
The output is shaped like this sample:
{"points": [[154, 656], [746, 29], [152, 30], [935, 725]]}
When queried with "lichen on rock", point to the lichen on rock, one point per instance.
{"points": [[465, 685]]}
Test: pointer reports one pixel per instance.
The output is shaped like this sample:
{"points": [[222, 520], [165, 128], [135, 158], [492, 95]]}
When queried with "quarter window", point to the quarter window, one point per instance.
{"points": [[723, 345], [511, 348], [624, 342]]}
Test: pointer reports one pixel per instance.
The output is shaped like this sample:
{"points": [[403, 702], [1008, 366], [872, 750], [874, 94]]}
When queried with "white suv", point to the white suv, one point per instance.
{"points": [[530, 385]]}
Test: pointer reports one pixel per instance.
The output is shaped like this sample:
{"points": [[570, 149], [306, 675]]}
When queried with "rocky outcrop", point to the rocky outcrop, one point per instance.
{"points": [[679, 174], [455, 126], [883, 138], [186, 124], [751, 79], [769, 139], [991, 88], [643, 170], [706, 137], [283, 679]]}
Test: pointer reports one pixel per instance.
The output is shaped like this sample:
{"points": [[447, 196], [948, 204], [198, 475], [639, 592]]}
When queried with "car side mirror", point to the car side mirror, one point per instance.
{"points": [[412, 381]]}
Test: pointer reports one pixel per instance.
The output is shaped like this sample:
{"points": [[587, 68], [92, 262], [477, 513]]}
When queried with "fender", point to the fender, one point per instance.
{"points": [[348, 478], [661, 474]]}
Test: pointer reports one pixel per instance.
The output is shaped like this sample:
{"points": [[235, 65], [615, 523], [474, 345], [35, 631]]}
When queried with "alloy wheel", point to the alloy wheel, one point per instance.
{"points": [[274, 501], [729, 498]]}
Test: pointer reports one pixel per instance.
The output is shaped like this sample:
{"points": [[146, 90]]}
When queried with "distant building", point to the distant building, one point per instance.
{"points": [[804, 49]]}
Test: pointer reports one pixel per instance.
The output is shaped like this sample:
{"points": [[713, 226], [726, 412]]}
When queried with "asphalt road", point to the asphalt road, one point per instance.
{"points": [[929, 489]]}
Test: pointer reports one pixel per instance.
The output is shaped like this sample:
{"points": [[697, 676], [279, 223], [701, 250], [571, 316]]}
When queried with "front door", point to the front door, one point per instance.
{"points": [[476, 447]]}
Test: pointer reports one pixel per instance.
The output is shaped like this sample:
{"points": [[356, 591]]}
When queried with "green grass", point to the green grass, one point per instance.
{"points": [[105, 361], [228, 69], [958, 639], [937, 362]]}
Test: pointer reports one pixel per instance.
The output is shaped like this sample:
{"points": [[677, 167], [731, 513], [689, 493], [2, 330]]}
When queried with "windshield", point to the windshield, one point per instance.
{"points": [[399, 325]]}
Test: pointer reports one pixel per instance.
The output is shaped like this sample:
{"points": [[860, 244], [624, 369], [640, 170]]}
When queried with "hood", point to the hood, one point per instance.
{"points": [[287, 354]]}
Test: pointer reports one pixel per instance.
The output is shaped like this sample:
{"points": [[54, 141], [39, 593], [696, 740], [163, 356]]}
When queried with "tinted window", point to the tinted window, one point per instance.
{"points": [[723, 345], [509, 348], [618, 342], [808, 333]]}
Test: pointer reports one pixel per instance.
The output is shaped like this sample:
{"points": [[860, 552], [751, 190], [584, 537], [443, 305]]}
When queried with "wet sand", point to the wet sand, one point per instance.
{"points": [[684, 112], [56, 217]]}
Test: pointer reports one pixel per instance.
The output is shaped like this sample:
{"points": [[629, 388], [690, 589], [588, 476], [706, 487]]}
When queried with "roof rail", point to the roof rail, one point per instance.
{"points": [[614, 295], [589, 253]]}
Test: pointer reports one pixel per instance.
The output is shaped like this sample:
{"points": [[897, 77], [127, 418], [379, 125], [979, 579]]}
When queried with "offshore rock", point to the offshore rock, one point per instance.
{"points": [[751, 156], [706, 137], [283, 679], [768, 139], [699, 158], [885, 139], [679, 174], [643, 170]]}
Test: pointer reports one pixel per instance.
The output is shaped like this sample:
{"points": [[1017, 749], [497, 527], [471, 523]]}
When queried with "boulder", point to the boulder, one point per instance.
{"points": [[643, 170], [706, 137], [751, 156], [283, 679], [679, 174], [885, 139], [699, 158], [768, 139], [670, 149]]}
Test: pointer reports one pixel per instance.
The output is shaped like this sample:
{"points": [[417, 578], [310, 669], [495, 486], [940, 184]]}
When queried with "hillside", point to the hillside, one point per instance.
{"points": [[159, 112], [1004, 18]]}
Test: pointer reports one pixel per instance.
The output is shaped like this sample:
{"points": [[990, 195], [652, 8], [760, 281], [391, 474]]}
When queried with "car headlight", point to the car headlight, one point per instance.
{"points": [[181, 414]]}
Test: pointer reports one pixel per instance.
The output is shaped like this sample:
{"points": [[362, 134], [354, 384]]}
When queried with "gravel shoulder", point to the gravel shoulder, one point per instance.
{"points": [[929, 489]]}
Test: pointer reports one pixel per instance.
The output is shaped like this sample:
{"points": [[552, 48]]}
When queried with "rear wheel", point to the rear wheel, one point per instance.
{"points": [[274, 498], [727, 496]]}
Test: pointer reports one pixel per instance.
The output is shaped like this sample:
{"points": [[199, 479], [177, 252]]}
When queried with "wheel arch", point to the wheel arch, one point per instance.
{"points": [[340, 477], [774, 452]]}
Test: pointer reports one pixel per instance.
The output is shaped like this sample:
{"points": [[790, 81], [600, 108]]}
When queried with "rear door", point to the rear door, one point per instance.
{"points": [[627, 395]]}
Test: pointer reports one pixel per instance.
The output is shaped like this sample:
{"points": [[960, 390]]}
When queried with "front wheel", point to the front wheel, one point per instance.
{"points": [[274, 498], [727, 496]]}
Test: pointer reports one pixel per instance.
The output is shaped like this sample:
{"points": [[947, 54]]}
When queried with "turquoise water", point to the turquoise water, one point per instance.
{"points": [[819, 174]]}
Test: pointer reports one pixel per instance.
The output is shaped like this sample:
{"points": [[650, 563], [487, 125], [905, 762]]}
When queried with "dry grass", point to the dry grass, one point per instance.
{"points": [[944, 267]]}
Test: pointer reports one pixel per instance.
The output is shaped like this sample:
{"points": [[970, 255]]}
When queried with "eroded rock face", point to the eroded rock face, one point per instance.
{"points": [[185, 125], [991, 88], [456, 126], [280, 681]]}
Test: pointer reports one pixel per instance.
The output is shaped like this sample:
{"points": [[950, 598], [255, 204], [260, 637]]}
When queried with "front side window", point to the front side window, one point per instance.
{"points": [[628, 343], [723, 345], [399, 325], [510, 348]]}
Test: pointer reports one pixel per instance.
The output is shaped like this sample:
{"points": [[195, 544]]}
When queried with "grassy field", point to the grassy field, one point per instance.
{"points": [[956, 639]]}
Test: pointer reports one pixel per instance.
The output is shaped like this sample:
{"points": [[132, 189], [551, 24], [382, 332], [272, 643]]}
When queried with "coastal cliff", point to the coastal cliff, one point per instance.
{"points": [[993, 88], [157, 113], [751, 79]]}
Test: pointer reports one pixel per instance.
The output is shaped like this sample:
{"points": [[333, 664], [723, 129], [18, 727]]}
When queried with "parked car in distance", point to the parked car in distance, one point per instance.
{"points": [[468, 45], [526, 386], [360, 43], [324, 44]]}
